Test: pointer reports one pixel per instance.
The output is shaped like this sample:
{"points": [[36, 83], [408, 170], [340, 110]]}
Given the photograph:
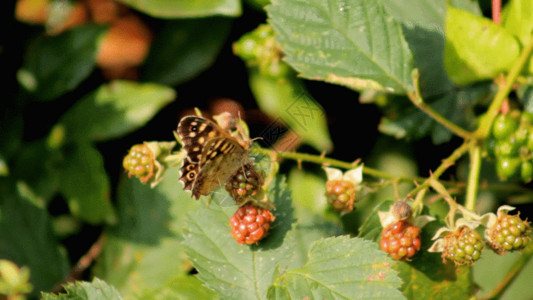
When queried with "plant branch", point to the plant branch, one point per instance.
{"points": [[502, 286], [418, 101], [473, 177], [501, 95], [446, 163]]}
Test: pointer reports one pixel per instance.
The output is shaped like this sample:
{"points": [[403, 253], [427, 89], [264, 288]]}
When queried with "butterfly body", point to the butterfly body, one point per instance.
{"points": [[213, 155]]}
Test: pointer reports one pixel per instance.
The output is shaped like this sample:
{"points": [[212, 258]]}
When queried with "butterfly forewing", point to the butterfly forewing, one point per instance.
{"points": [[212, 155], [221, 158]]}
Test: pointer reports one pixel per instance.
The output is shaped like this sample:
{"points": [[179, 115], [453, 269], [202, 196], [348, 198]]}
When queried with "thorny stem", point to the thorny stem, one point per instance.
{"points": [[326, 161], [502, 286], [473, 177], [418, 101], [446, 163]]}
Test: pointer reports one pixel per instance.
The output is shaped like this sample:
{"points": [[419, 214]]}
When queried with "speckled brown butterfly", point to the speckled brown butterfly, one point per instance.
{"points": [[213, 155]]}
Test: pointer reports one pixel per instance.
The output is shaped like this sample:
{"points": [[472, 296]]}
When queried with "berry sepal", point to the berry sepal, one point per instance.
{"points": [[506, 232], [460, 244]]}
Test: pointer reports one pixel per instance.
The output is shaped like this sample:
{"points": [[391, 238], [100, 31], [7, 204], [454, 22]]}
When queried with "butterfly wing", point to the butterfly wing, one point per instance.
{"points": [[194, 133], [221, 158]]}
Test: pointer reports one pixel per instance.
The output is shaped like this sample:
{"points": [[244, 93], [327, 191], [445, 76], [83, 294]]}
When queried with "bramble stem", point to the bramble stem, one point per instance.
{"points": [[446, 163], [326, 161], [473, 177], [505, 89], [418, 101], [502, 286]]}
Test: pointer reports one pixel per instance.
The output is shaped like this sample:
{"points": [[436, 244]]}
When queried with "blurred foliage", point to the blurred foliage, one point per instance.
{"points": [[88, 79]]}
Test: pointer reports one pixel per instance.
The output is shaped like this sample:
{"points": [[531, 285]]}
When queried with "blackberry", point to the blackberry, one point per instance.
{"points": [[401, 240], [510, 233], [140, 162], [341, 195], [245, 183], [463, 246], [250, 224]]}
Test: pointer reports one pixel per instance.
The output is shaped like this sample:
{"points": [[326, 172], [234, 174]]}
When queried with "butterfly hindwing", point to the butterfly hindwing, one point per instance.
{"points": [[212, 155]]}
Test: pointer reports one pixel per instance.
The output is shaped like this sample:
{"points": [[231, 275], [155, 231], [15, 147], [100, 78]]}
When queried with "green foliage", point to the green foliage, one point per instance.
{"points": [[48, 75], [344, 43], [186, 9], [476, 48], [94, 290], [430, 70]]}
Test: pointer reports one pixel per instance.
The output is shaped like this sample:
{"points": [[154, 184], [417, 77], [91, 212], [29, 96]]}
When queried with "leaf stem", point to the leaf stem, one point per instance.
{"points": [[446, 163], [502, 286], [304, 157], [486, 123], [473, 177], [418, 101]]}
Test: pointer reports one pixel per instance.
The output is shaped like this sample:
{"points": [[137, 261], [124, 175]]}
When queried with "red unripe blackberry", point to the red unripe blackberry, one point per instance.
{"points": [[401, 240], [250, 224], [340, 194], [463, 246], [246, 182], [140, 162], [509, 233]]}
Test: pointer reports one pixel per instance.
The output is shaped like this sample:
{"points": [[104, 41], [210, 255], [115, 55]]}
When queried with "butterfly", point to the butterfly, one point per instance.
{"points": [[212, 155]]}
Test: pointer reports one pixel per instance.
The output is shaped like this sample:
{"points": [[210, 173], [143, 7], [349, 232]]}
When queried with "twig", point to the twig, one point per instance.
{"points": [[83, 263]]}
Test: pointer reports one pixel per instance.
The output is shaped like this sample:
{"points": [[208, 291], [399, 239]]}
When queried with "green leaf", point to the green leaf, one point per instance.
{"points": [[83, 182], [232, 270], [113, 110], [517, 18], [340, 268], [487, 279], [356, 44], [423, 28], [181, 287], [83, 290], [26, 237], [288, 101], [186, 8], [143, 252], [308, 190], [476, 49], [371, 227], [184, 48], [56, 65]]}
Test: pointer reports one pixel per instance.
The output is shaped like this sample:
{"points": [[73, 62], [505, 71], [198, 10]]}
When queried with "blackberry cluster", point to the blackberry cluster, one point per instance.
{"points": [[140, 162], [250, 224], [245, 183], [510, 233], [401, 240], [511, 145], [463, 246], [340, 195]]}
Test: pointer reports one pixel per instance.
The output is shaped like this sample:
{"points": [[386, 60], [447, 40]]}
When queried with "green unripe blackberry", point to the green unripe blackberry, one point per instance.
{"points": [[526, 171], [504, 126], [510, 233], [140, 162], [463, 246], [507, 167]]}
